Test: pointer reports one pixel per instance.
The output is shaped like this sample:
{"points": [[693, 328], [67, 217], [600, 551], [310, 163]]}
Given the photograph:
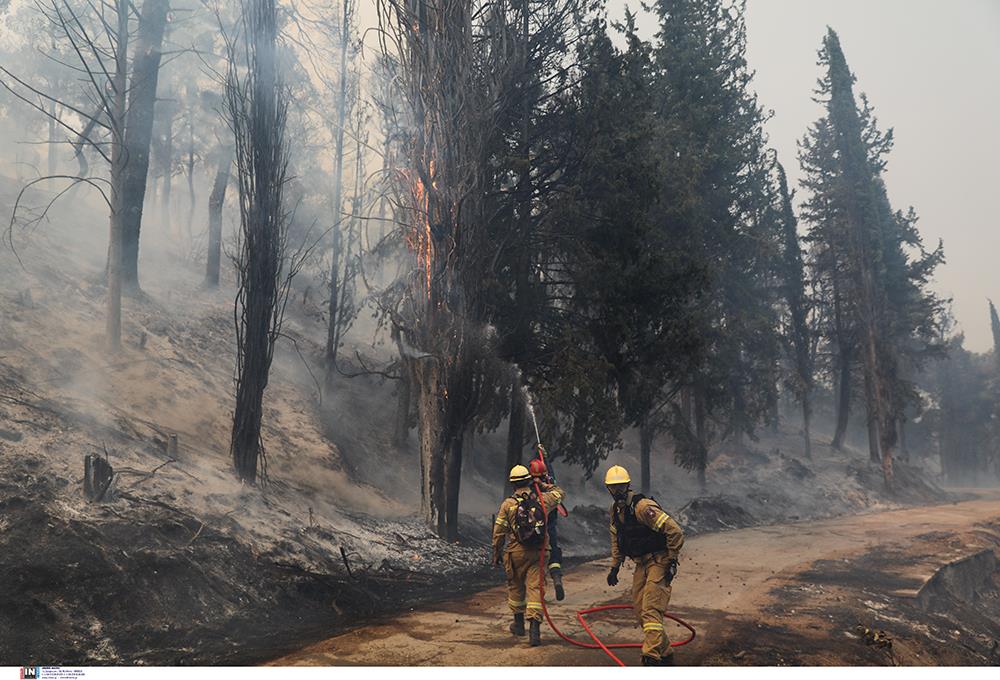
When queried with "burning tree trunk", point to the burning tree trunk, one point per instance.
{"points": [[139, 129], [452, 113], [257, 107]]}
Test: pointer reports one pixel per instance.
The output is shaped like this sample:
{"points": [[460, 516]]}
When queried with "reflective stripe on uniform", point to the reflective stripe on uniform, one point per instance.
{"points": [[613, 530], [555, 565], [652, 626], [660, 522], [512, 603], [501, 521], [534, 605]]}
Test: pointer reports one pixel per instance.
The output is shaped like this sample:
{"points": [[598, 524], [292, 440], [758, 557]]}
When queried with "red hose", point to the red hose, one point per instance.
{"points": [[606, 648]]}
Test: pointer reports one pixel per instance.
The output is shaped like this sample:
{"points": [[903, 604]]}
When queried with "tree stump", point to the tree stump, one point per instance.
{"points": [[172, 446], [97, 476]]}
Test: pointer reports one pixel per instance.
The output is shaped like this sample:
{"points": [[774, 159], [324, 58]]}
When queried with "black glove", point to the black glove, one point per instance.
{"points": [[613, 575], [671, 570]]}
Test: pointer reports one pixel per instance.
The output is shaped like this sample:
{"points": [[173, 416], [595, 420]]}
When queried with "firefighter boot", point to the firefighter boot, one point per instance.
{"points": [[535, 633], [517, 627], [556, 574]]}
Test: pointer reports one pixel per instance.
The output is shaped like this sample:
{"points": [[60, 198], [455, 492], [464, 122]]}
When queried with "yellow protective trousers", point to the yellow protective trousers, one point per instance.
{"points": [[524, 594], [650, 597]]}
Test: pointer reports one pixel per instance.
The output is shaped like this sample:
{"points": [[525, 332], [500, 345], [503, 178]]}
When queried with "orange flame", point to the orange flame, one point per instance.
{"points": [[420, 240]]}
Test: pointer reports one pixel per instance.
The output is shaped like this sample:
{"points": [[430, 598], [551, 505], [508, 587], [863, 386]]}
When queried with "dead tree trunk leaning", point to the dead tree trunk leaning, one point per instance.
{"points": [[216, 200], [139, 129], [257, 107]]}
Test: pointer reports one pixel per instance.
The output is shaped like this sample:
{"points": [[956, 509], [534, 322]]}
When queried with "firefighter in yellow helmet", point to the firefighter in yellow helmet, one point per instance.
{"points": [[521, 525], [640, 529]]}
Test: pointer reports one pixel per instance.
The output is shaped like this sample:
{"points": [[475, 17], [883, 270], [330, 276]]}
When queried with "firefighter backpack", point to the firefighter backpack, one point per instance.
{"points": [[529, 520]]}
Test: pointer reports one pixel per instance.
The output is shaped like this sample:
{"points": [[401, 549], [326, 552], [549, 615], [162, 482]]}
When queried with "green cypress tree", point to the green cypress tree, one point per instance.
{"points": [[864, 249], [716, 186]]}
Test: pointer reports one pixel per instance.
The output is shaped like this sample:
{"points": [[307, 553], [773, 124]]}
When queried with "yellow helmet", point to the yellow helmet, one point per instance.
{"points": [[519, 473], [616, 475]]}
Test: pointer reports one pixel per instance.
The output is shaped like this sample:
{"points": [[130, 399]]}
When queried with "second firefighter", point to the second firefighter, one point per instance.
{"points": [[519, 537], [641, 530]]}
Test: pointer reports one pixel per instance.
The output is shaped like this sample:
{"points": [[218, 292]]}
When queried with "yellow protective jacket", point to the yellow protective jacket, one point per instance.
{"points": [[503, 529], [652, 515]]}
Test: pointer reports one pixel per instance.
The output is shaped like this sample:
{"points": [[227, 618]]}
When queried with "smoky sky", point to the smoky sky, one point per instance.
{"points": [[932, 71]]}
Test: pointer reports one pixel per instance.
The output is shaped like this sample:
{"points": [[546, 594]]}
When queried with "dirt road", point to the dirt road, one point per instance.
{"points": [[739, 589]]}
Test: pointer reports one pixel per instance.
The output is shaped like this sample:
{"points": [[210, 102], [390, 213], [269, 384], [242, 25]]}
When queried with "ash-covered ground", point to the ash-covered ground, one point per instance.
{"points": [[184, 564]]}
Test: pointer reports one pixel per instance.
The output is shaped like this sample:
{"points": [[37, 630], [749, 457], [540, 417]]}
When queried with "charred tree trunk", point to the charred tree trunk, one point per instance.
{"points": [[426, 377], [139, 129], [216, 200], [646, 437], [258, 110], [98, 475]]}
